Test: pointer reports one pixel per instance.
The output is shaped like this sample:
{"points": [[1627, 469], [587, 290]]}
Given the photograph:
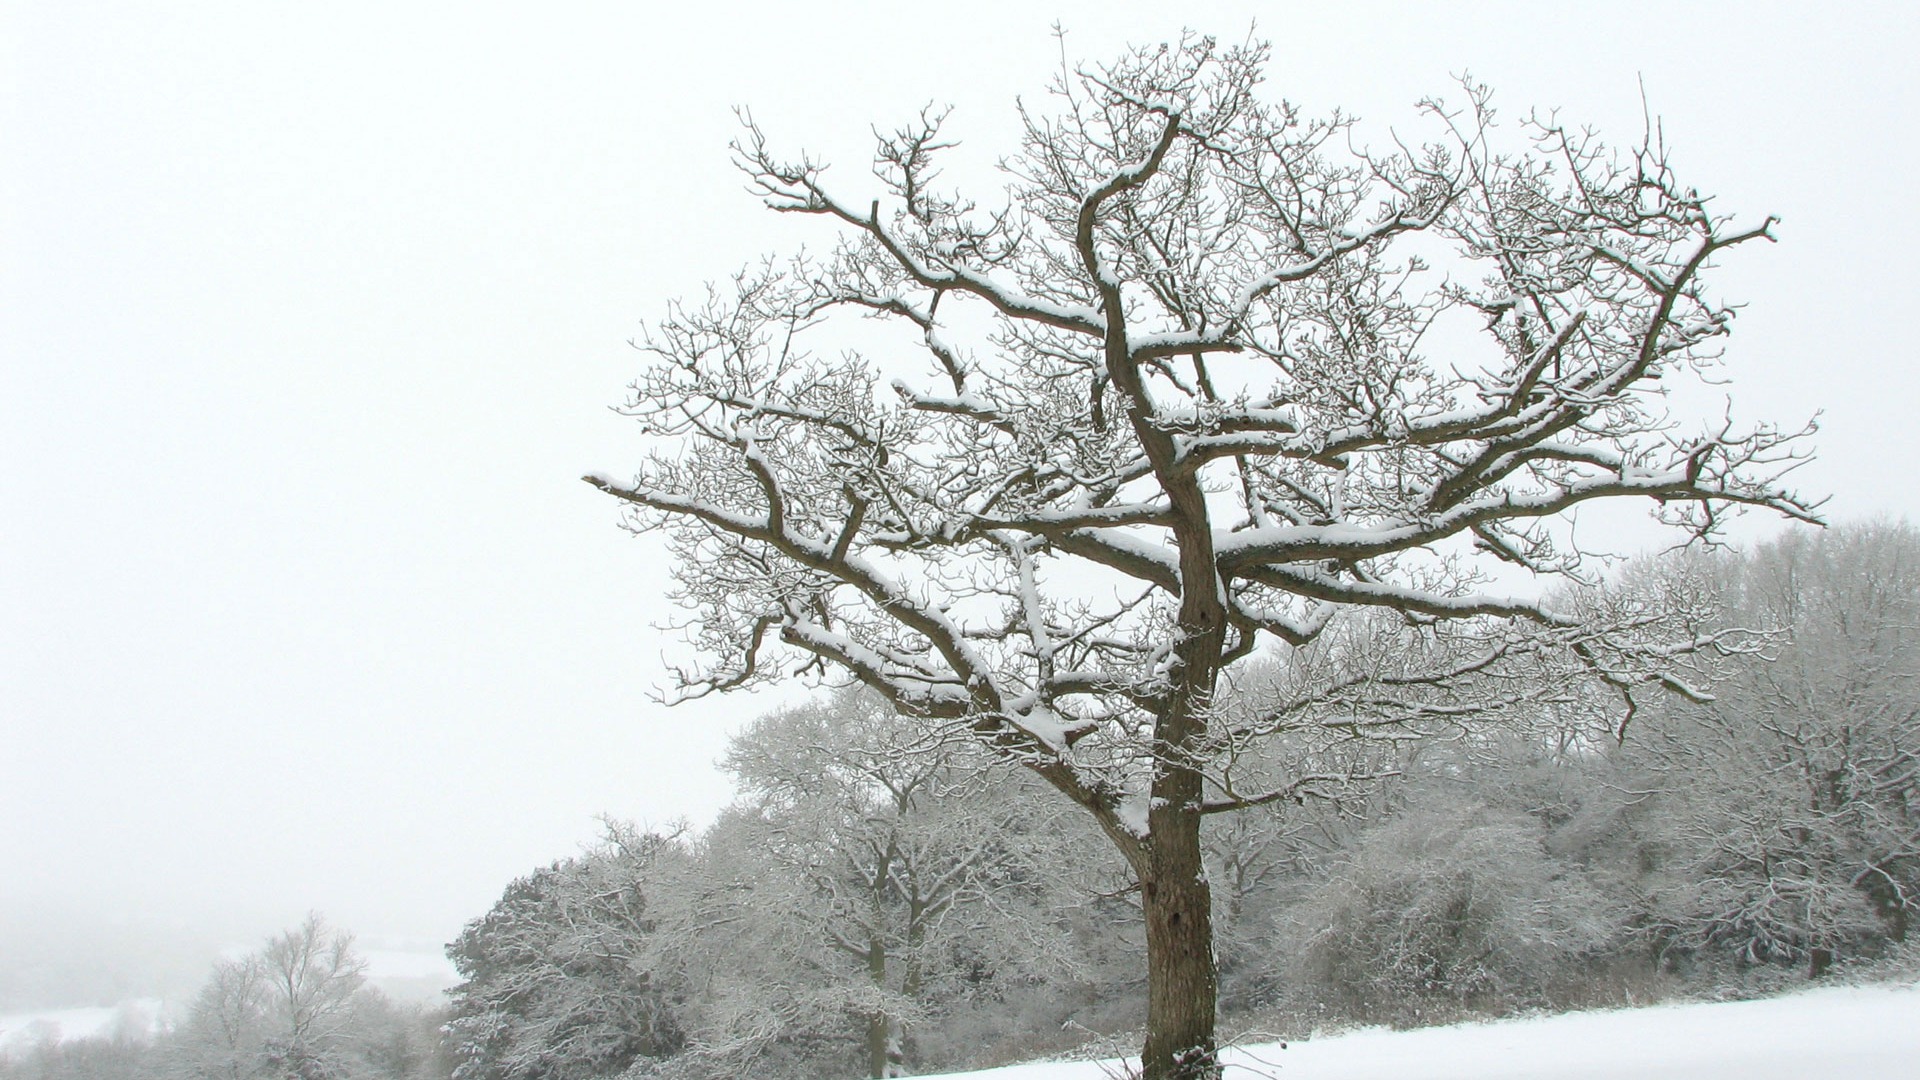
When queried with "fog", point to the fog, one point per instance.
{"points": [[312, 317]]}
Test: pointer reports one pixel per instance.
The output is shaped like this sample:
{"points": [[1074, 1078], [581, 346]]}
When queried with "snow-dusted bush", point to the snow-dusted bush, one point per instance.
{"points": [[1443, 912], [560, 978]]}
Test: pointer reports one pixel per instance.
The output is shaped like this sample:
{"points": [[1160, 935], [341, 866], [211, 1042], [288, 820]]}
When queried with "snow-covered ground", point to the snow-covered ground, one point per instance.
{"points": [[1837, 1033]]}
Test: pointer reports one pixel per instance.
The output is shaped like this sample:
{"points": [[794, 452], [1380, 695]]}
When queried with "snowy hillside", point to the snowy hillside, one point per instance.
{"points": [[1838, 1032]]}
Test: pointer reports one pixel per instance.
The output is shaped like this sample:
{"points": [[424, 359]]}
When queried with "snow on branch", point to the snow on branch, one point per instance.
{"points": [[1209, 381]]}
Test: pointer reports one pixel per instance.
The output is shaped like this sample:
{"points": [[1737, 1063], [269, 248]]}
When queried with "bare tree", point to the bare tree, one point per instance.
{"points": [[298, 1009], [1791, 803], [901, 847], [310, 979], [1194, 387], [222, 1036]]}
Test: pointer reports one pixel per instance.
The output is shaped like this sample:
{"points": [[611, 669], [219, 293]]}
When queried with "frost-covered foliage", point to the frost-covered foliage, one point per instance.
{"points": [[121, 1055], [559, 979], [1711, 844], [1450, 910], [1259, 863], [299, 1009], [868, 888], [1789, 806], [871, 890], [296, 1009], [920, 872], [882, 896]]}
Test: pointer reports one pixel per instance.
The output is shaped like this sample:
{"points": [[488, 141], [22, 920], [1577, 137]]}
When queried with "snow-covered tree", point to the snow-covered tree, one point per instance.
{"points": [[1791, 802], [310, 978], [223, 1033], [558, 979], [868, 881], [906, 858], [1208, 377], [297, 1009]]}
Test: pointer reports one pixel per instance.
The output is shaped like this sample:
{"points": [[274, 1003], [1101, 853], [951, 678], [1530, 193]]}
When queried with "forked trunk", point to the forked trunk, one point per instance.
{"points": [[1181, 986], [883, 1048]]}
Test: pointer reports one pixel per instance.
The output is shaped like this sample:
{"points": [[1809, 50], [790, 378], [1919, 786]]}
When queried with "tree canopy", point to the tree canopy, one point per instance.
{"points": [[1210, 376]]}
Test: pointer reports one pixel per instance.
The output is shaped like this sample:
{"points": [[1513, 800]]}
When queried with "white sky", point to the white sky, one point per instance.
{"points": [[310, 315]]}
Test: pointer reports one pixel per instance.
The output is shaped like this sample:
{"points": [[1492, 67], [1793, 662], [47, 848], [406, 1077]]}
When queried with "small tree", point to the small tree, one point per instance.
{"points": [[558, 979], [223, 1035], [900, 847], [311, 978], [1193, 388], [298, 1009]]}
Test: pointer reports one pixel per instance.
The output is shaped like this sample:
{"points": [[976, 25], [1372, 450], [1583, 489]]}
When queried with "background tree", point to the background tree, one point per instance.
{"points": [[300, 1009], [1791, 802], [310, 979], [1259, 863], [1456, 907], [129, 1051], [559, 979], [920, 864], [1192, 390], [867, 885], [865, 880], [225, 1029]]}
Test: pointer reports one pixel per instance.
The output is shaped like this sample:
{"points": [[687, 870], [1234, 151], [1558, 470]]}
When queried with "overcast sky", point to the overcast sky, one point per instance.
{"points": [[310, 316]]}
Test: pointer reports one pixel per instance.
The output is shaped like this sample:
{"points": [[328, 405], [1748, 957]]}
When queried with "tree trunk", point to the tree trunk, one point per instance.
{"points": [[1818, 961], [880, 1047], [1181, 984], [880, 1041]]}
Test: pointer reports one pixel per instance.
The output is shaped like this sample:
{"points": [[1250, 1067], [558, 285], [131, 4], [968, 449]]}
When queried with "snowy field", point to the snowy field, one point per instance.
{"points": [[1836, 1033], [1841, 1032]]}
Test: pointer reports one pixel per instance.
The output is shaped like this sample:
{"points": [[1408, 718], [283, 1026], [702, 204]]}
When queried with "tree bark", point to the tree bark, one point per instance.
{"points": [[1181, 981], [879, 1046], [1818, 961], [880, 1040]]}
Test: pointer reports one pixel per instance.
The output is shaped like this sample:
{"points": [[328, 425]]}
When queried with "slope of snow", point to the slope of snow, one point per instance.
{"points": [[1837, 1032]]}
